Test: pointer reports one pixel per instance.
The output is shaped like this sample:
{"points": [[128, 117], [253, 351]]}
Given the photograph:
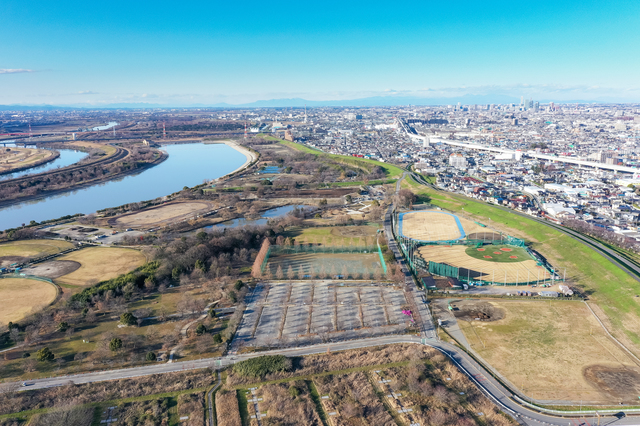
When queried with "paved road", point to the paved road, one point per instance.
{"points": [[467, 365]]}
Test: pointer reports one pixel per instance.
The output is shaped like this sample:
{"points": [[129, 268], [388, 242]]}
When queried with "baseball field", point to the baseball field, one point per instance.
{"points": [[436, 226], [492, 264], [21, 296]]}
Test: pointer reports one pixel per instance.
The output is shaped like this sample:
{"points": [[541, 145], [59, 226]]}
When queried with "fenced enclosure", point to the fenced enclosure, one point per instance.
{"points": [[316, 261]]}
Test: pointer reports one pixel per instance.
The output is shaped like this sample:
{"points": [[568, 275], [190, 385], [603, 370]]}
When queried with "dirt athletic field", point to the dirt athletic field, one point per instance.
{"points": [[484, 270], [158, 215], [436, 226], [21, 296]]}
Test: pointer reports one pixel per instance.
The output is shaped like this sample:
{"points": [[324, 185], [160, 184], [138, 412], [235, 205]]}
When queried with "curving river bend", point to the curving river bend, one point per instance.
{"points": [[187, 165]]}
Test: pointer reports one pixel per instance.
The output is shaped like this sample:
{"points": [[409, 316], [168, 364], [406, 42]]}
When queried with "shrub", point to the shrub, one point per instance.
{"points": [[238, 285], [151, 356], [128, 319], [115, 344], [45, 354], [201, 329], [63, 326], [263, 365], [212, 312], [217, 338], [294, 391]]}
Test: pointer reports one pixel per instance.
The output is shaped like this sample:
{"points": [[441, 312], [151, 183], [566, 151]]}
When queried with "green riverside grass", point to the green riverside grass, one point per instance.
{"points": [[611, 288]]}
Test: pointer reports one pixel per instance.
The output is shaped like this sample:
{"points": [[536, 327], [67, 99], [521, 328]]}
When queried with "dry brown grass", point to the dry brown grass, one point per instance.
{"points": [[354, 399], [18, 158], [103, 391], [32, 248], [314, 364], [227, 409], [545, 348], [192, 406], [100, 264], [164, 213], [20, 297], [283, 409]]}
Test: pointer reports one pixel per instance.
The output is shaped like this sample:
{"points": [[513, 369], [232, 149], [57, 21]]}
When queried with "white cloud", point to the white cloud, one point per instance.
{"points": [[14, 70]]}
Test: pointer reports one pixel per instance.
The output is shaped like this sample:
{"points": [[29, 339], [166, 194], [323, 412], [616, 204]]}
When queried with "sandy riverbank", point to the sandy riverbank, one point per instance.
{"points": [[251, 156]]}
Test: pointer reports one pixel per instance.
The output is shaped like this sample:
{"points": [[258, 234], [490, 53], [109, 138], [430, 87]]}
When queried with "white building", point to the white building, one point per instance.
{"points": [[458, 161]]}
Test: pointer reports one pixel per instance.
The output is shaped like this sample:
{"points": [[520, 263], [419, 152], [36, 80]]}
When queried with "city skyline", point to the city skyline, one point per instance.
{"points": [[205, 54]]}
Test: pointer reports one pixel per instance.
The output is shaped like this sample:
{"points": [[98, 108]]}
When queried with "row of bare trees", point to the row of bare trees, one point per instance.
{"points": [[603, 234], [256, 269]]}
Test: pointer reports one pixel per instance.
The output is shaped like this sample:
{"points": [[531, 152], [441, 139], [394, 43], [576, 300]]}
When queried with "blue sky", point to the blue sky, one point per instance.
{"points": [[182, 53]]}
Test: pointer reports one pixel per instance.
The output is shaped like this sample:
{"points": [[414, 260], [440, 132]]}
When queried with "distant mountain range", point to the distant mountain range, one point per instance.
{"points": [[298, 102]]}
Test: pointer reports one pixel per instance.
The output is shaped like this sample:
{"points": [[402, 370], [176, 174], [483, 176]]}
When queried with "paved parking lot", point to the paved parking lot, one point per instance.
{"points": [[281, 314]]}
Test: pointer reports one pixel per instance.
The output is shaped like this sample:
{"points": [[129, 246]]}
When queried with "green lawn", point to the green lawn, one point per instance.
{"points": [[390, 170], [613, 290], [503, 257]]}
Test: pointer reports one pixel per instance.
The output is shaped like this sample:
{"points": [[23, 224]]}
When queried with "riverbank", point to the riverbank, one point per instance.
{"points": [[252, 156], [51, 155], [46, 194]]}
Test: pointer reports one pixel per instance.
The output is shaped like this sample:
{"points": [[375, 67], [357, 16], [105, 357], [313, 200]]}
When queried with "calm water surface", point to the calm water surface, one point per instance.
{"points": [[269, 214], [187, 165], [67, 157]]}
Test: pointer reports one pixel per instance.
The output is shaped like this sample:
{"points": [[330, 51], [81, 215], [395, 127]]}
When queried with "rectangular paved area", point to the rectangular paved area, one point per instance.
{"points": [[298, 313]]}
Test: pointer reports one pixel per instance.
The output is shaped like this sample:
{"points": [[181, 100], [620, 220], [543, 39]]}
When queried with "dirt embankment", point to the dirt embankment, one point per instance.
{"points": [[476, 310]]}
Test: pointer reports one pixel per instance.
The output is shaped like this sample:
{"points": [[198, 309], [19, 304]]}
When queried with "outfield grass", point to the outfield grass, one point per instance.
{"points": [[390, 170], [504, 257], [613, 290]]}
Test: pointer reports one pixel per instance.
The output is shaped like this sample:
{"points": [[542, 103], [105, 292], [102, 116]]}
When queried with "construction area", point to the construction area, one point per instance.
{"points": [[302, 313], [163, 214]]}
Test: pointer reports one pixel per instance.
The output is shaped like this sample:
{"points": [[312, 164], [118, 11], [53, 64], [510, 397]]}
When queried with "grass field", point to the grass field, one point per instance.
{"points": [[612, 289], [335, 235], [100, 264], [20, 297], [17, 251], [549, 348], [498, 253], [316, 264]]}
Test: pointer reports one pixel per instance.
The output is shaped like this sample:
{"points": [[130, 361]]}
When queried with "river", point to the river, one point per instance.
{"points": [[187, 165], [67, 157]]}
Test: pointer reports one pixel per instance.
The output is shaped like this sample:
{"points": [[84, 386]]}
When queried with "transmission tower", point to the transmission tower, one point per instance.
{"points": [[164, 131]]}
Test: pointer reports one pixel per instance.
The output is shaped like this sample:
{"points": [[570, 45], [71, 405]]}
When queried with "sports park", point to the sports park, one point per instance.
{"points": [[447, 245]]}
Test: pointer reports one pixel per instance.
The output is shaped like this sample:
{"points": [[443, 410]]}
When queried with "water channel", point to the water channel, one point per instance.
{"points": [[67, 157], [269, 214], [187, 165]]}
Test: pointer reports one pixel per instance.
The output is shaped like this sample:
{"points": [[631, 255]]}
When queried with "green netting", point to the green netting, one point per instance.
{"points": [[316, 248], [443, 270], [513, 241]]}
